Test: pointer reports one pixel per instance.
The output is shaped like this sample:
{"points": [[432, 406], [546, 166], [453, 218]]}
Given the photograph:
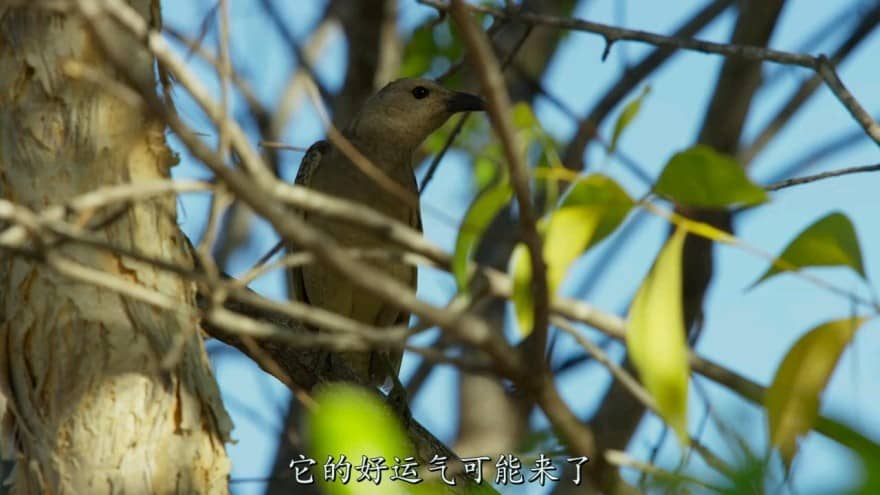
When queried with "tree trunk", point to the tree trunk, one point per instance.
{"points": [[103, 393]]}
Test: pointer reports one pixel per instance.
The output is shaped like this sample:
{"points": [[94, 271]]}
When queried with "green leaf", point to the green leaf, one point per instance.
{"points": [[626, 117], [485, 172], [595, 206], [523, 117], [430, 43], [702, 177], [481, 212], [523, 302], [655, 336], [830, 241], [418, 53], [792, 401], [353, 422]]}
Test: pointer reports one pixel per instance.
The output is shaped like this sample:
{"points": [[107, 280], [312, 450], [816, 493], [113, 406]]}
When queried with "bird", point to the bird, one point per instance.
{"points": [[387, 131]]}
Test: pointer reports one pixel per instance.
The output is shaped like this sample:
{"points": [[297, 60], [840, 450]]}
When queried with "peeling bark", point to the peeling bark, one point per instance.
{"points": [[103, 394]]}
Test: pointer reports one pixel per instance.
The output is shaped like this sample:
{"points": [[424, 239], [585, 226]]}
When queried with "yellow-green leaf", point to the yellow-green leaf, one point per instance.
{"points": [[626, 117], [569, 231], [830, 241], [792, 401], [481, 212], [354, 422], [702, 177], [595, 206], [485, 172], [418, 53], [523, 117], [523, 302], [655, 336], [429, 44]]}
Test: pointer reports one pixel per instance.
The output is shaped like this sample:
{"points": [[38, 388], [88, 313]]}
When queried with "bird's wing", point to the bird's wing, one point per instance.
{"points": [[310, 162], [396, 356]]}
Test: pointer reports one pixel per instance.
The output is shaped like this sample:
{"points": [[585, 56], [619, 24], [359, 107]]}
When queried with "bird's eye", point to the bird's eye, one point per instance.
{"points": [[420, 92]]}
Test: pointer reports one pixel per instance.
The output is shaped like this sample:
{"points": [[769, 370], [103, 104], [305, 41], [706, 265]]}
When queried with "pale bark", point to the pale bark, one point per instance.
{"points": [[103, 394]]}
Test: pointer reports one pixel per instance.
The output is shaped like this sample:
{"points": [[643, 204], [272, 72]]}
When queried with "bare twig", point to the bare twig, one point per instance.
{"points": [[282, 146], [634, 388], [864, 28], [489, 72], [293, 44], [622, 459], [459, 125], [630, 79], [252, 190], [613, 34], [361, 161], [824, 175]]}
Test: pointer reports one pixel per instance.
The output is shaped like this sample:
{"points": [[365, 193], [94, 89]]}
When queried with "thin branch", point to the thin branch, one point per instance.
{"points": [[622, 459], [294, 89], [625, 159], [258, 111], [824, 175], [282, 146], [825, 149], [293, 44], [615, 327], [612, 34], [360, 160], [630, 79], [253, 188], [459, 125], [864, 28], [489, 72], [634, 388], [435, 162]]}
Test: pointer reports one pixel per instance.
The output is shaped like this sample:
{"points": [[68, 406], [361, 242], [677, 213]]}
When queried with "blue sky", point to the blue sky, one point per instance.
{"points": [[747, 330]]}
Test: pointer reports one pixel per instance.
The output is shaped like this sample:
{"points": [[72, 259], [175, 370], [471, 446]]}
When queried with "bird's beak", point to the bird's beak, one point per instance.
{"points": [[464, 102]]}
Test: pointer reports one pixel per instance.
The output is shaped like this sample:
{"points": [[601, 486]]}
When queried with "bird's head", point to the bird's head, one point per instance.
{"points": [[406, 111]]}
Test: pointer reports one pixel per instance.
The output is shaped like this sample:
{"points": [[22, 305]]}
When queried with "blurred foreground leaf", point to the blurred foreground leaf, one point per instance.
{"points": [[353, 422], [655, 336], [792, 401]]}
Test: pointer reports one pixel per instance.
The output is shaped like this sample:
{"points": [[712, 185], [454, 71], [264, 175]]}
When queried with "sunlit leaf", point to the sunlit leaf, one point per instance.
{"points": [[830, 241], [626, 117], [488, 164], [595, 206], [792, 401], [523, 117], [353, 422], [485, 171], [655, 336], [569, 231], [702, 177], [481, 212], [523, 302]]}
